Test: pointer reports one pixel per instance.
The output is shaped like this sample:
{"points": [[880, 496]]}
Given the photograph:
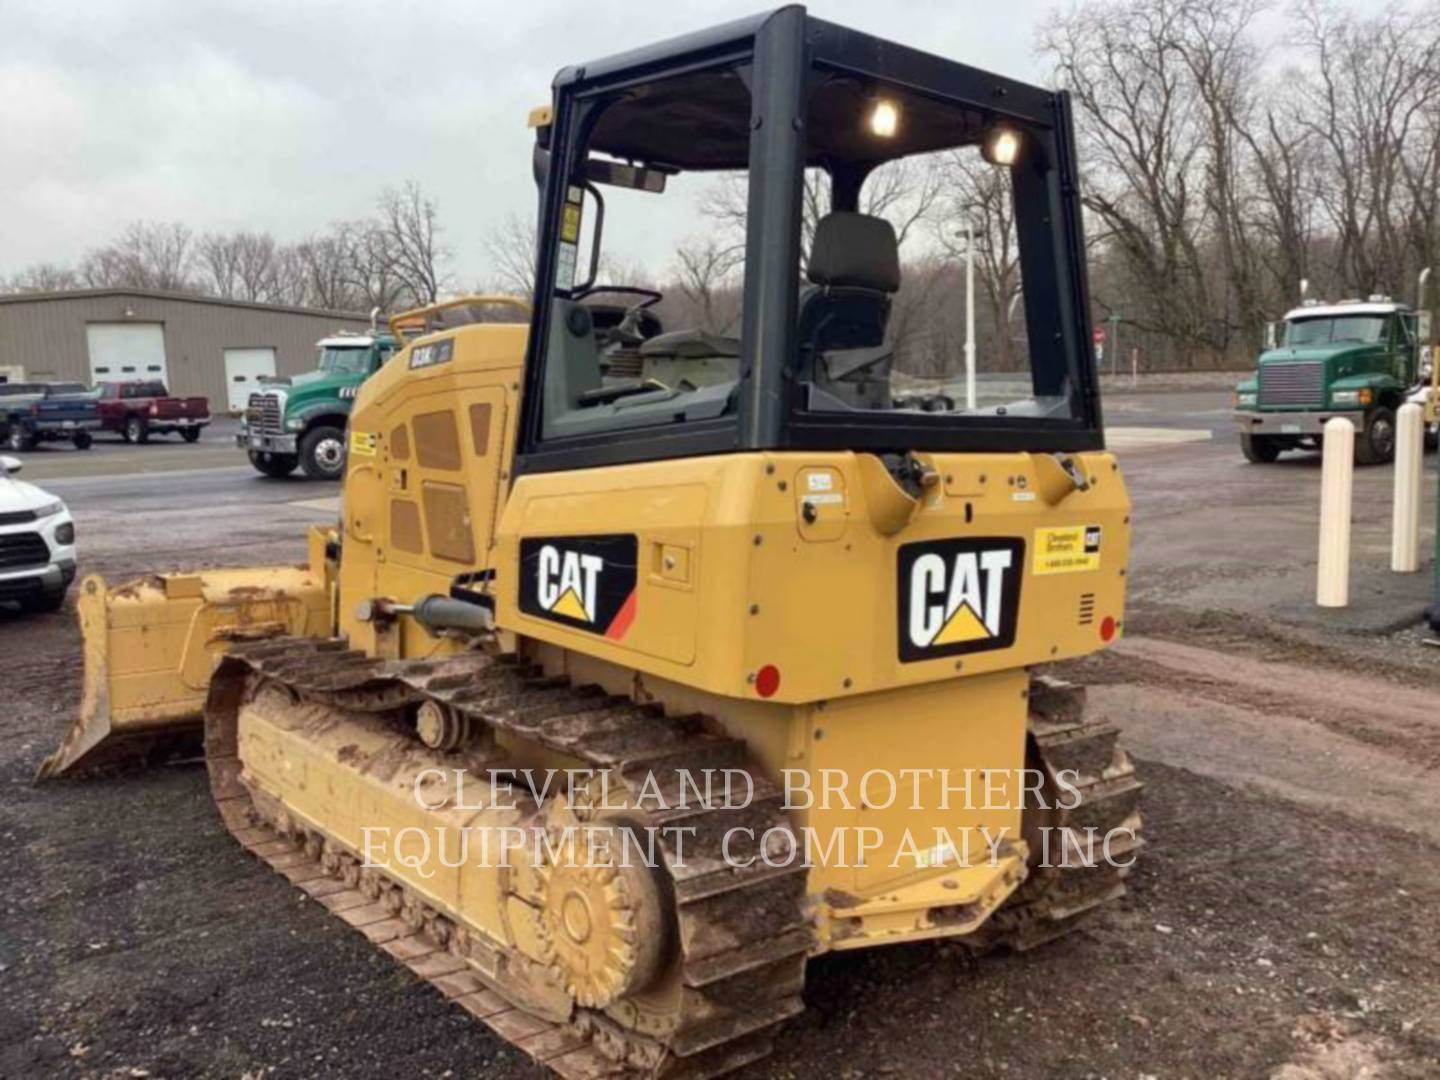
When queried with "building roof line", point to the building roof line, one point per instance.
{"points": [[193, 298]]}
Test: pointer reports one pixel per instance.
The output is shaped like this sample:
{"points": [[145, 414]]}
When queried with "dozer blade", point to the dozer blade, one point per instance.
{"points": [[151, 646]]}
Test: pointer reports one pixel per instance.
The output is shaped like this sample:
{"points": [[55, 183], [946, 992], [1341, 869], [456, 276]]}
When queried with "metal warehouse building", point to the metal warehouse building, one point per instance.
{"points": [[195, 344]]}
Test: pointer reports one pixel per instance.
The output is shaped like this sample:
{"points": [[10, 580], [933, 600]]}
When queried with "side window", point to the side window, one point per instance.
{"points": [[644, 320]]}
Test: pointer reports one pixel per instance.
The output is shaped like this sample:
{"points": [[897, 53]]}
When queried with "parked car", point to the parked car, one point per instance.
{"points": [[138, 410], [31, 413], [37, 543]]}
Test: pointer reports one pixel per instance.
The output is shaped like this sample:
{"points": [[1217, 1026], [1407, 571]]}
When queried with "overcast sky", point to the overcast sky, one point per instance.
{"points": [[283, 116]]}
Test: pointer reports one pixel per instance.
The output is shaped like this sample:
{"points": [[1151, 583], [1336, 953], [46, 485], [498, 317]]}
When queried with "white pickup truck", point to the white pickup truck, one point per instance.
{"points": [[37, 543]]}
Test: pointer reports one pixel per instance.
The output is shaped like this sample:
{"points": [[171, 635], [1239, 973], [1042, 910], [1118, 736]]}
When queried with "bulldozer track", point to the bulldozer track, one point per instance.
{"points": [[743, 934], [1094, 826]]}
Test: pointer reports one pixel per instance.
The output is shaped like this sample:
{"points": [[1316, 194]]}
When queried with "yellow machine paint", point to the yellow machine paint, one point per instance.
{"points": [[853, 631], [733, 577], [151, 645]]}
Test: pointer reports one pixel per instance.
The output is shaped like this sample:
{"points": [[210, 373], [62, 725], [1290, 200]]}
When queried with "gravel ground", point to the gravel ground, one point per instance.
{"points": [[1260, 937]]}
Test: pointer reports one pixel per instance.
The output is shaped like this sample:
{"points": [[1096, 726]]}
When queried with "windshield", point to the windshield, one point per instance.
{"points": [[350, 360], [1366, 329]]}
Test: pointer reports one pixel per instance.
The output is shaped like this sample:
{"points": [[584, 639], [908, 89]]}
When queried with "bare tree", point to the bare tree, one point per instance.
{"points": [[147, 255], [975, 189], [705, 274], [1214, 40], [512, 250], [1370, 97], [41, 277], [408, 241], [1141, 136], [904, 192], [243, 266], [324, 263]]}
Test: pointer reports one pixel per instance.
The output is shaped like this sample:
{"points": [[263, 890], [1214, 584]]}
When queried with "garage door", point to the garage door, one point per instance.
{"points": [[243, 370], [121, 352]]}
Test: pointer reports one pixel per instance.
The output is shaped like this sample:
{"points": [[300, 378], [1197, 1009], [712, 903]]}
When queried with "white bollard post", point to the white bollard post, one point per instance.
{"points": [[1409, 464], [1332, 577]]}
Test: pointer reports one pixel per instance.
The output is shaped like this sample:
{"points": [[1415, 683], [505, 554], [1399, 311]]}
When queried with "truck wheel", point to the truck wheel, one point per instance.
{"points": [[1375, 442], [82, 440], [1259, 449], [322, 453], [135, 430], [19, 440], [190, 434], [275, 466]]}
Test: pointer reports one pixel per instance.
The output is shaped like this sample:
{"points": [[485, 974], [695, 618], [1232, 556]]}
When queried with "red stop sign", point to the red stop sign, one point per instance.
{"points": [[1099, 335]]}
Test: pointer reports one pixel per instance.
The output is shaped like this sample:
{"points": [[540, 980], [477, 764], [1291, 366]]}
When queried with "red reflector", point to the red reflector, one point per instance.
{"points": [[1107, 628], [767, 680]]}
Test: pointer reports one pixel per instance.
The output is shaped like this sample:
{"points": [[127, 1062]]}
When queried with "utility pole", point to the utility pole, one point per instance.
{"points": [[969, 312]]}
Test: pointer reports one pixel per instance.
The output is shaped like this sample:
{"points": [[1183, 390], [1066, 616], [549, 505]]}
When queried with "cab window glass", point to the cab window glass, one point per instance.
{"points": [[913, 296], [645, 321], [1366, 329]]}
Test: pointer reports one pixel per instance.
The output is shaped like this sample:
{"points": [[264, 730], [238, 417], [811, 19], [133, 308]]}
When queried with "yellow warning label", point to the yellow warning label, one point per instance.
{"points": [[570, 223], [363, 443], [1067, 550]]}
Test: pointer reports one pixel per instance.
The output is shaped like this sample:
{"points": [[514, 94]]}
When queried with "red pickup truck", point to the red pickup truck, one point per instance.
{"points": [[138, 410]]}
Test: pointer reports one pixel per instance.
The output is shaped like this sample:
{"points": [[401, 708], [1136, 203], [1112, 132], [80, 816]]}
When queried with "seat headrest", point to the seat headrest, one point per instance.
{"points": [[855, 250]]}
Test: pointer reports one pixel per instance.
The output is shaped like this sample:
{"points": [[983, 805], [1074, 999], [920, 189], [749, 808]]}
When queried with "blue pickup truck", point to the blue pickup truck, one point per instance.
{"points": [[31, 413]]}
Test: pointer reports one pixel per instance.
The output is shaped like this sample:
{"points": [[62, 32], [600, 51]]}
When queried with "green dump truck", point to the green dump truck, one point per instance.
{"points": [[1360, 359], [301, 421]]}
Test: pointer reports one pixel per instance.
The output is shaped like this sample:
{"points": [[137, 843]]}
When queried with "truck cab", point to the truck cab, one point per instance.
{"points": [[1356, 359], [301, 421]]}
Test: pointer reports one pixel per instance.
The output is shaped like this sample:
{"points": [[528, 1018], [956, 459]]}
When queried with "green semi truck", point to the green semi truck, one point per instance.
{"points": [[1360, 359], [300, 422]]}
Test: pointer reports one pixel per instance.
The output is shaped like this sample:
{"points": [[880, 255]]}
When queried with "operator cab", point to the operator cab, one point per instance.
{"points": [[757, 237]]}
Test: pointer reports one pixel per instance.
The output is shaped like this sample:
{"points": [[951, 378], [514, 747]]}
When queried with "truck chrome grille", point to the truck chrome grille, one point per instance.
{"points": [[267, 414], [19, 550], [1299, 383]]}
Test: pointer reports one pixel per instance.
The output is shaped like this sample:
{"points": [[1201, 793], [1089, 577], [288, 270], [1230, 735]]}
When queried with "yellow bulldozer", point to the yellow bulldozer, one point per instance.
{"points": [[644, 663]]}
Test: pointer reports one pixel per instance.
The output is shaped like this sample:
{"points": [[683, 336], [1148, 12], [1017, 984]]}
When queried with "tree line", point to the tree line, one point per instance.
{"points": [[392, 259], [1221, 169]]}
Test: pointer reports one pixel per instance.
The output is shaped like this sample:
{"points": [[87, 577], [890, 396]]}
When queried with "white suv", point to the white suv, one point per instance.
{"points": [[37, 543]]}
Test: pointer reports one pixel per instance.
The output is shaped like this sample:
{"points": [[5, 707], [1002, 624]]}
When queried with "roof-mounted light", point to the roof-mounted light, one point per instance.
{"points": [[1001, 146], [884, 119]]}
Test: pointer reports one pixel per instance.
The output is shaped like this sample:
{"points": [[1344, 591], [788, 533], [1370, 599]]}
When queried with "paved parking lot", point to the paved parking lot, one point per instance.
{"points": [[110, 455]]}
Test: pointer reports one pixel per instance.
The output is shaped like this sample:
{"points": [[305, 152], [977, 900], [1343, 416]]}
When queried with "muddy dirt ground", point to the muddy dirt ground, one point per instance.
{"points": [[1284, 920]]}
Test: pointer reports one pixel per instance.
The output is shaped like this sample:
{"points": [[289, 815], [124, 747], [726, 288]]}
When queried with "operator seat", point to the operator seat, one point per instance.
{"points": [[854, 271]]}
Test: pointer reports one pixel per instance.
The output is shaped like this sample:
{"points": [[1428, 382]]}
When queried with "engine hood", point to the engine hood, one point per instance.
{"points": [[16, 495]]}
